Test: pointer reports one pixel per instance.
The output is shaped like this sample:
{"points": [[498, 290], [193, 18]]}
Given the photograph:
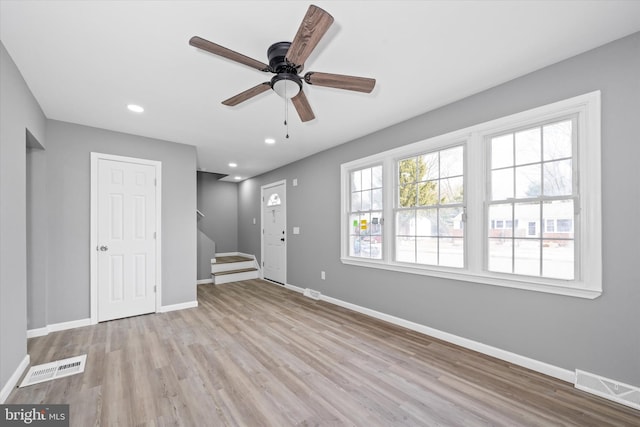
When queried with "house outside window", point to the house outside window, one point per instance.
{"points": [[565, 225], [550, 226]]}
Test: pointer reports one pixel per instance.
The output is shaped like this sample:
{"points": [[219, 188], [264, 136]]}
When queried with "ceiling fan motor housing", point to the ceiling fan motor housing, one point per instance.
{"points": [[286, 73], [277, 53]]}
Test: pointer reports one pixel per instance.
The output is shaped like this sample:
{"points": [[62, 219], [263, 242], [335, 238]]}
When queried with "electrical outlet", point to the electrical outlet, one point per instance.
{"points": [[322, 275]]}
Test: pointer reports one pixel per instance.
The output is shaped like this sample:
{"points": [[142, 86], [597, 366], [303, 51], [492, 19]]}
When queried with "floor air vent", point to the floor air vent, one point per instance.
{"points": [[53, 370], [312, 294], [609, 389]]}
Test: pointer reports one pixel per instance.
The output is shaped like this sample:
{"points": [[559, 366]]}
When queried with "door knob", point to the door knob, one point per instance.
{"points": [[282, 239], [103, 248]]}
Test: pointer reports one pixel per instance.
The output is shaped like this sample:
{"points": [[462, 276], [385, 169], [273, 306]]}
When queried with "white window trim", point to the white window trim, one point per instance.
{"points": [[589, 282]]}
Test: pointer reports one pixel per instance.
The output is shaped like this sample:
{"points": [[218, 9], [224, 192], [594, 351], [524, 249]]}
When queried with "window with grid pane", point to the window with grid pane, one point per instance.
{"points": [[532, 184], [515, 202], [429, 213], [365, 217]]}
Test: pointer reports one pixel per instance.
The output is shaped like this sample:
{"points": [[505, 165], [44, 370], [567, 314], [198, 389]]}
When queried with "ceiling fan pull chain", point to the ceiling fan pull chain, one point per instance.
{"points": [[286, 112], [286, 61]]}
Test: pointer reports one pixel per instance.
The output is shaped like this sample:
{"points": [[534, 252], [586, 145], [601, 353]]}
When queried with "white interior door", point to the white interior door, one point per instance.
{"points": [[126, 239], [274, 226]]}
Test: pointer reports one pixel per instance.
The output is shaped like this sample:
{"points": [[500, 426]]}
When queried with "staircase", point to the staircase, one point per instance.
{"points": [[227, 268]]}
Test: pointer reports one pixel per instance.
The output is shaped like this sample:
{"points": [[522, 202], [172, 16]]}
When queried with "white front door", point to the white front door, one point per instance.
{"points": [[126, 239], [274, 226]]}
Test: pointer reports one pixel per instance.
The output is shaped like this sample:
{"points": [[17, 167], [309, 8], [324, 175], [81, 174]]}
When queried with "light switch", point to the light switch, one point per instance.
{"points": [[295, 182], [296, 230], [254, 221]]}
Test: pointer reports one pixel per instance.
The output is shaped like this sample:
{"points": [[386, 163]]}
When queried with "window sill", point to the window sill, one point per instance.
{"points": [[529, 284]]}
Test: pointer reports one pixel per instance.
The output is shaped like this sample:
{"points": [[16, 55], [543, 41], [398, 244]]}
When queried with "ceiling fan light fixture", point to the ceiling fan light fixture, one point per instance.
{"points": [[286, 85], [286, 61]]}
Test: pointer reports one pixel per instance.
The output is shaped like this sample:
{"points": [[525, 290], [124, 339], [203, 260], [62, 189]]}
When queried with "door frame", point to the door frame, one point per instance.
{"points": [[95, 158], [286, 243]]}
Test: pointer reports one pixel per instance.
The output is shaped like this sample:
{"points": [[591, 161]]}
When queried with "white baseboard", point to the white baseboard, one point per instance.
{"points": [[69, 325], [14, 378], [181, 306], [516, 359], [498, 353], [294, 288], [32, 333], [616, 391], [204, 281], [40, 332]]}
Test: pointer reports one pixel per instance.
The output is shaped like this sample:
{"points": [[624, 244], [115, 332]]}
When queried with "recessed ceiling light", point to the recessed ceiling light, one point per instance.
{"points": [[135, 108], [238, 177], [270, 141], [233, 165]]}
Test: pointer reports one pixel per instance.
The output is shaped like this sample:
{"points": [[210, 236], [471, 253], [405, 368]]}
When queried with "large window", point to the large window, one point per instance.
{"points": [[429, 208], [365, 219], [512, 202], [531, 183]]}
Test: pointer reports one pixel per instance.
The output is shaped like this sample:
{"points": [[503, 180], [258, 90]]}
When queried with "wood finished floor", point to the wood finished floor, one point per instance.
{"points": [[256, 354], [232, 258]]}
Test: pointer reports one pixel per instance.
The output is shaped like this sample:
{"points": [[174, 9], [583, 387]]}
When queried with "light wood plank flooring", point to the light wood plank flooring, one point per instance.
{"points": [[256, 354], [232, 258]]}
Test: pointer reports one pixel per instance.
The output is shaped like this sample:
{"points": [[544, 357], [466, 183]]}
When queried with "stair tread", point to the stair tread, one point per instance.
{"points": [[232, 258], [241, 270]]}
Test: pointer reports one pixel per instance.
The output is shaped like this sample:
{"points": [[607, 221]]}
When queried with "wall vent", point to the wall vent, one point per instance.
{"points": [[609, 389], [312, 294], [53, 370]]}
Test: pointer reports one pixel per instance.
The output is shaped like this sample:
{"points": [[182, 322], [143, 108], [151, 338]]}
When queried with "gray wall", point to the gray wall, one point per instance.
{"points": [[68, 170], [19, 112], [37, 241], [218, 201], [206, 252], [599, 336], [45, 215]]}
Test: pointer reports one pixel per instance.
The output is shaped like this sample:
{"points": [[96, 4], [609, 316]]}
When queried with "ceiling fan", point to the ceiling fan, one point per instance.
{"points": [[286, 61]]}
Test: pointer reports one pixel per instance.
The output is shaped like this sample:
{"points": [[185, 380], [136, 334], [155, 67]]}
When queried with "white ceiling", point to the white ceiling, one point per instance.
{"points": [[86, 60]]}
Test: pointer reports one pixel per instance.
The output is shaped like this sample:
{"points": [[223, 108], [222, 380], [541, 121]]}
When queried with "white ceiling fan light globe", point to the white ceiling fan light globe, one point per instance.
{"points": [[286, 88]]}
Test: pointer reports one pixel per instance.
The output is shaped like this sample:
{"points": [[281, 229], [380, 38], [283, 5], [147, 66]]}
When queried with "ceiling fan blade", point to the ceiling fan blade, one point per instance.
{"points": [[303, 108], [339, 81], [216, 49], [247, 94], [314, 25]]}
